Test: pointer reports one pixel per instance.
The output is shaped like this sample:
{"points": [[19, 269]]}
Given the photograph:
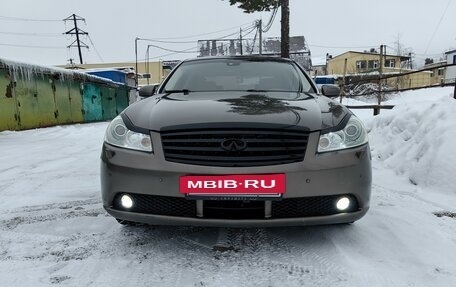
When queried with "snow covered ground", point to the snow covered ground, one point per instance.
{"points": [[53, 230]]}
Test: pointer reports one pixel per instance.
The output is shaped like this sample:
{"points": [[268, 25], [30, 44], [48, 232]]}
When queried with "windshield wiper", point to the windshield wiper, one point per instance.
{"points": [[184, 91]]}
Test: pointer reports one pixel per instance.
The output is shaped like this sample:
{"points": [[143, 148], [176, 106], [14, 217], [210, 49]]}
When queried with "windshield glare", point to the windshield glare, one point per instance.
{"points": [[238, 75]]}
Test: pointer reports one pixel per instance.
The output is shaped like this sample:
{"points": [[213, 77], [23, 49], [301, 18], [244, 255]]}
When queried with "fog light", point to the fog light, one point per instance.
{"points": [[343, 203], [126, 201]]}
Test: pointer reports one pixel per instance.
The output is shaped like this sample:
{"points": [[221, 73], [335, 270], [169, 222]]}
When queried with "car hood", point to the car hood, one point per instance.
{"points": [[213, 109]]}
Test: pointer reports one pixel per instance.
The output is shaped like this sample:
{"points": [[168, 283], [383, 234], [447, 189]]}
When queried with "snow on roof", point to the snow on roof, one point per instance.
{"points": [[403, 58], [26, 71]]}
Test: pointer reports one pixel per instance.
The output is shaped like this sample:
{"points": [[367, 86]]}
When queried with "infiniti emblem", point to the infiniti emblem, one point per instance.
{"points": [[233, 145]]}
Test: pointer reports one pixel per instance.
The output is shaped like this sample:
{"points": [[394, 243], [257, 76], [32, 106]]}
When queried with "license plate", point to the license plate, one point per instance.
{"points": [[241, 185]]}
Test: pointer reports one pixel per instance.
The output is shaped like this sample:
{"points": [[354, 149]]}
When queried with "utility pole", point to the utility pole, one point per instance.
{"points": [[380, 73], [342, 88], [76, 31], [285, 29], [410, 61], [136, 61], [240, 39], [260, 32]]}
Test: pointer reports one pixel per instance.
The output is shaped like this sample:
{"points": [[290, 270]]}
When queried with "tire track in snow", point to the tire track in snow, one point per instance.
{"points": [[304, 261], [260, 249], [392, 192], [50, 212], [60, 205]]}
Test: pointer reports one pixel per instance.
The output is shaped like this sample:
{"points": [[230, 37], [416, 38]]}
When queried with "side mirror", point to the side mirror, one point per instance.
{"points": [[331, 91], [148, 91]]}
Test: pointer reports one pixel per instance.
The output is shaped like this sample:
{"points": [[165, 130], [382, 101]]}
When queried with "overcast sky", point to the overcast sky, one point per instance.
{"points": [[329, 26]]}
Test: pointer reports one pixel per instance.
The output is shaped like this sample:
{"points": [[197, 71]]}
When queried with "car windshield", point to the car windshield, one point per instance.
{"points": [[238, 75]]}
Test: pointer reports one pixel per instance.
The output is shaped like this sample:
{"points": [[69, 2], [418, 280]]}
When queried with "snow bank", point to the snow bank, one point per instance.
{"points": [[417, 138]]}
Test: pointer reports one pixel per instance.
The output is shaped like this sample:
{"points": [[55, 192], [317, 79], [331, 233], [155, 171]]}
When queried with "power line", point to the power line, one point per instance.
{"points": [[251, 26], [30, 46], [170, 42], [254, 40], [169, 54], [186, 50], [232, 34], [192, 48], [7, 18], [96, 51], [32, 34], [209, 33], [437, 27], [271, 20], [249, 32], [193, 41], [174, 51]]}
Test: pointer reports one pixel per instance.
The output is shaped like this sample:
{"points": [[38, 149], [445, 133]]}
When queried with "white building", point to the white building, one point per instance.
{"points": [[451, 70]]}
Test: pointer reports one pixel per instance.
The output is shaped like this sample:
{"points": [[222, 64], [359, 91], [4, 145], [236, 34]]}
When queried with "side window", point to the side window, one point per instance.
{"points": [[360, 65], [390, 63], [454, 59], [373, 64]]}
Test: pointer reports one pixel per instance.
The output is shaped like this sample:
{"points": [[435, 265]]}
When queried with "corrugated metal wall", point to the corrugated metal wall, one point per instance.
{"points": [[33, 98]]}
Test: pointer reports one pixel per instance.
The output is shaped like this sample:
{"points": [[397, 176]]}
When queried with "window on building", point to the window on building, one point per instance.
{"points": [[372, 64], [440, 72], [432, 74], [360, 65], [390, 63], [454, 59]]}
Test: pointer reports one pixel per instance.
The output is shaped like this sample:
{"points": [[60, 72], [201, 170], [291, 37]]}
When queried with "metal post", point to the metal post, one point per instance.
{"points": [[260, 32], [380, 73], [136, 61], [342, 89], [159, 71], [240, 39], [146, 63]]}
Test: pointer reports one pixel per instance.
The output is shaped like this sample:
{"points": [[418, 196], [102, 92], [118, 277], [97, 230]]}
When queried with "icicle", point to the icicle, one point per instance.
{"points": [[28, 72]]}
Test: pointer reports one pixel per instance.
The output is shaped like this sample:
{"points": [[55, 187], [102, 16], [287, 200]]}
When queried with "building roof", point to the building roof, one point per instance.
{"points": [[26, 70], [450, 52], [403, 58]]}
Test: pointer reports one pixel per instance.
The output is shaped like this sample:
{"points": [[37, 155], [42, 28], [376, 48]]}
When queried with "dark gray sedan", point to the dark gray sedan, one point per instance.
{"points": [[236, 141]]}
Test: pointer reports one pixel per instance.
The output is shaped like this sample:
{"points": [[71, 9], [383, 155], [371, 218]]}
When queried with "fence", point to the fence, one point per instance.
{"points": [[33, 97], [380, 78]]}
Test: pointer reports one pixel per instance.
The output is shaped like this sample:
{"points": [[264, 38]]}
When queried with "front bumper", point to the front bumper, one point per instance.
{"points": [[271, 222], [335, 173]]}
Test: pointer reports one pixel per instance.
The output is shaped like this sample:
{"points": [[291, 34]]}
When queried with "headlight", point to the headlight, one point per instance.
{"points": [[352, 135], [119, 135]]}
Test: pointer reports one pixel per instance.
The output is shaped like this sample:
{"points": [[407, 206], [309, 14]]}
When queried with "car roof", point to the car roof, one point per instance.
{"points": [[245, 58]]}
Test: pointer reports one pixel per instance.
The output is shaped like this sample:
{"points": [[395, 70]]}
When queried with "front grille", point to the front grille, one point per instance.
{"points": [[236, 209], [160, 205], [310, 206], [260, 147]]}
